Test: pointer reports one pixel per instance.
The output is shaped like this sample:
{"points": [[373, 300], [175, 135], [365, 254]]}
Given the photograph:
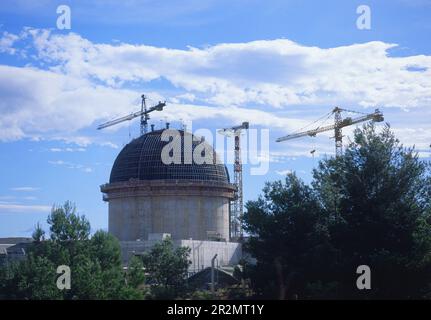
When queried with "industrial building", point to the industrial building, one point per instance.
{"points": [[188, 201], [13, 249]]}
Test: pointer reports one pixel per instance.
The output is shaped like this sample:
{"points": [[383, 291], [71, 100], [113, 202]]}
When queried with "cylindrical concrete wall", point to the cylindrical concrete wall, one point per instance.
{"points": [[183, 217], [184, 209]]}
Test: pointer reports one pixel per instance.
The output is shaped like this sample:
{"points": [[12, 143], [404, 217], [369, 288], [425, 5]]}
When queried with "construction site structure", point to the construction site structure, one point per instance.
{"points": [[144, 114], [237, 204], [339, 123]]}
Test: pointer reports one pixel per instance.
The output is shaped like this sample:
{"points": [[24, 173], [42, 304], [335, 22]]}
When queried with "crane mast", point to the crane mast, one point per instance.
{"points": [[338, 132], [144, 115], [339, 123], [238, 204]]}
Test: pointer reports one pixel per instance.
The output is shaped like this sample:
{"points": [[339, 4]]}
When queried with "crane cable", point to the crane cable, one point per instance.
{"points": [[352, 111], [324, 121], [327, 115]]}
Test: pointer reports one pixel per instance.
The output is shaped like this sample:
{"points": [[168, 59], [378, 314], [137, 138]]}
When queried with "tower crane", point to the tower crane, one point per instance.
{"points": [[144, 114], [340, 123], [237, 205]]}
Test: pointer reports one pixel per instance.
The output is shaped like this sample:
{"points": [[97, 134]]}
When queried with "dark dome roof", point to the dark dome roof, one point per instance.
{"points": [[141, 159]]}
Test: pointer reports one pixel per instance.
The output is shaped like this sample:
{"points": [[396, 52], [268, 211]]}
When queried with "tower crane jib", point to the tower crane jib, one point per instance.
{"points": [[339, 123], [144, 114]]}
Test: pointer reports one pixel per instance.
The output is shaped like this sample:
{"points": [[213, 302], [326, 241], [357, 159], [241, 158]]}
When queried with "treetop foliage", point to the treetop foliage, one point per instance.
{"points": [[370, 206], [94, 261]]}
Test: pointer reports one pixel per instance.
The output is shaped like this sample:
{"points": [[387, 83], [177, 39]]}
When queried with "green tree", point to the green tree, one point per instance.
{"points": [[67, 225], [135, 272], [370, 206], [95, 263], [289, 239], [34, 278], [378, 198], [167, 269], [38, 234]]}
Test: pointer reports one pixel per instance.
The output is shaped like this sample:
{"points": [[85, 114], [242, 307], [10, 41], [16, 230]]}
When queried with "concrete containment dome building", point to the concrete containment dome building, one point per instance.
{"points": [[187, 199]]}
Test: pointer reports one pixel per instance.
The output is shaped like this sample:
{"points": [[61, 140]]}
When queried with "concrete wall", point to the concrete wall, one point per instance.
{"points": [[184, 216], [228, 253]]}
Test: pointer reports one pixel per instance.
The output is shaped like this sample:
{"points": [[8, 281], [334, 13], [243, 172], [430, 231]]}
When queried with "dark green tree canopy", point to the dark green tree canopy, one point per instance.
{"points": [[288, 237], [167, 269], [377, 194], [370, 206], [95, 263], [66, 225]]}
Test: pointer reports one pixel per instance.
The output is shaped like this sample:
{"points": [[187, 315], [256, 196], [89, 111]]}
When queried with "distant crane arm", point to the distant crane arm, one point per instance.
{"points": [[234, 130], [158, 107], [376, 116]]}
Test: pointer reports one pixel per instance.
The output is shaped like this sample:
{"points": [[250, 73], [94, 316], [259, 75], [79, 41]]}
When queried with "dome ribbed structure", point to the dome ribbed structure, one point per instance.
{"points": [[141, 160]]}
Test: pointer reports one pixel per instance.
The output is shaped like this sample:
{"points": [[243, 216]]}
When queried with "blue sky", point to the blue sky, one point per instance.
{"points": [[277, 64]]}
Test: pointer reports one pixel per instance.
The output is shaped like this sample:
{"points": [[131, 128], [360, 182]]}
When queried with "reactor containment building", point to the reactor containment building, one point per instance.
{"points": [[187, 199]]}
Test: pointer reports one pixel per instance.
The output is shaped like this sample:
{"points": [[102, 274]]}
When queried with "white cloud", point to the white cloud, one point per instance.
{"points": [[57, 162], [235, 114], [67, 149], [79, 140], [109, 144], [7, 41], [75, 83], [7, 198], [25, 189], [420, 137], [189, 97], [268, 72], [71, 165], [283, 172], [40, 102], [20, 208]]}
